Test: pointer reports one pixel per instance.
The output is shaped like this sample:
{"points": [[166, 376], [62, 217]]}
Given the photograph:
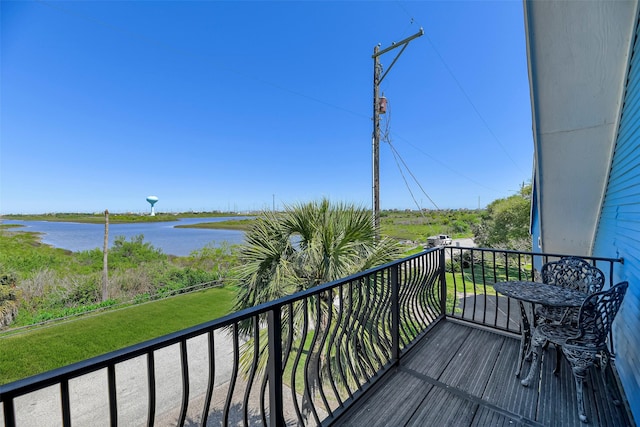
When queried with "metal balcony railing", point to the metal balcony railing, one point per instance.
{"points": [[471, 272], [300, 360]]}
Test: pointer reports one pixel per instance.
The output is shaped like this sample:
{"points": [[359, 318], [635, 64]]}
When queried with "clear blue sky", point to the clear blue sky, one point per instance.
{"points": [[213, 105]]}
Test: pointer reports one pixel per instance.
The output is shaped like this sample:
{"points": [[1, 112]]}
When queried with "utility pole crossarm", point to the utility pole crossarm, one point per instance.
{"points": [[400, 43]]}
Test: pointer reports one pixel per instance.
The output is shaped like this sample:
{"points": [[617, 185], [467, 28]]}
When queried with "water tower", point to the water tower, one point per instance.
{"points": [[152, 201]]}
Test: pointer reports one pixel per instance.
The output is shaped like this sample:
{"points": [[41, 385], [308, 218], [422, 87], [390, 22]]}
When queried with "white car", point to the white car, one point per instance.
{"points": [[439, 240]]}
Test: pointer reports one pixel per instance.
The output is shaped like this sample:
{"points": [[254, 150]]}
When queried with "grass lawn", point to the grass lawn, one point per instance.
{"points": [[60, 344]]}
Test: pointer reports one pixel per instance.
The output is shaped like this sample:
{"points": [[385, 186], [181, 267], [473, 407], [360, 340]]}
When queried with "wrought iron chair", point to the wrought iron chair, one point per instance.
{"points": [[572, 273], [581, 344]]}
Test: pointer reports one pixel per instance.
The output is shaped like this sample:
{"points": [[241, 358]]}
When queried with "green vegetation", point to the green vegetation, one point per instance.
{"points": [[305, 246], [239, 224], [505, 223], [414, 226], [8, 297], [44, 283], [52, 283], [60, 344], [467, 274], [418, 225]]}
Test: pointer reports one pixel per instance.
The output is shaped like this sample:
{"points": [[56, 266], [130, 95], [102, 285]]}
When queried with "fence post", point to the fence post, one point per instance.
{"points": [[274, 367], [443, 281], [395, 314]]}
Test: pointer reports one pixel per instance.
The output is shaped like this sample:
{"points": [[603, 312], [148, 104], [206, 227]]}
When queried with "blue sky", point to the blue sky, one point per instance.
{"points": [[241, 105]]}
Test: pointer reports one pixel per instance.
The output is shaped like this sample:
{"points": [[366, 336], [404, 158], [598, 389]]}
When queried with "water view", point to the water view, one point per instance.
{"points": [[162, 235]]}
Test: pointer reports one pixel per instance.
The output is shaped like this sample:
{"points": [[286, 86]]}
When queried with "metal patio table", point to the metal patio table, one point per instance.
{"points": [[536, 293]]}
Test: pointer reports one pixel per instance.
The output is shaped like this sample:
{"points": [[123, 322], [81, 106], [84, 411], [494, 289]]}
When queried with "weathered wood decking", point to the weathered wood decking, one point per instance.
{"points": [[464, 376]]}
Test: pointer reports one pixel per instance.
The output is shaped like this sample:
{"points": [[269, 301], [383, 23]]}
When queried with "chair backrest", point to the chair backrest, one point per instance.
{"points": [[598, 311], [573, 273]]}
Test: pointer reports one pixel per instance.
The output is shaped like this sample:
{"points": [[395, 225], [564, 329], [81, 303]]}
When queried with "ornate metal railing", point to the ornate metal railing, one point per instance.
{"points": [[331, 343], [300, 360]]}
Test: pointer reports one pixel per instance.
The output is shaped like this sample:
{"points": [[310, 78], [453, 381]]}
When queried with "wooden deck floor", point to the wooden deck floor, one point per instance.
{"points": [[464, 376]]}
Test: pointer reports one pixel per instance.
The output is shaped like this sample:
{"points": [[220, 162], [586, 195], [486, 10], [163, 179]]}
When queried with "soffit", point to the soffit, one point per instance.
{"points": [[578, 54]]}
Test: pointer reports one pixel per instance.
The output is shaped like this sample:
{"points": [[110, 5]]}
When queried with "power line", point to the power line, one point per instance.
{"points": [[396, 155], [464, 92]]}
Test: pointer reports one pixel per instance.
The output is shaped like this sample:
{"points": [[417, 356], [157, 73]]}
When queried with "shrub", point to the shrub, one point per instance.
{"points": [[8, 303], [128, 254], [223, 258], [39, 290], [125, 284], [83, 290]]}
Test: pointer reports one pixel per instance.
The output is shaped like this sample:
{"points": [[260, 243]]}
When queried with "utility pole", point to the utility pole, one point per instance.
{"points": [[105, 257], [378, 76]]}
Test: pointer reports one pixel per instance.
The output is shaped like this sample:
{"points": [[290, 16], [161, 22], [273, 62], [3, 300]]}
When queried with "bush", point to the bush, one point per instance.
{"points": [[45, 315], [8, 303], [128, 254], [83, 290], [125, 284], [38, 290], [221, 259]]}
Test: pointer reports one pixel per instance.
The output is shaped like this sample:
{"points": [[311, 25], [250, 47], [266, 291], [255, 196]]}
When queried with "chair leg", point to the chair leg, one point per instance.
{"points": [[580, 362], [521, 356], [556, 371], [525, 339], [535, 364], [579, 375]]}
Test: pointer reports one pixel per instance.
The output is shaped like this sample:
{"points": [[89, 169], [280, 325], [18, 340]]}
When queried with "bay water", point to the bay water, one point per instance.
{"points": [[76, 236]]}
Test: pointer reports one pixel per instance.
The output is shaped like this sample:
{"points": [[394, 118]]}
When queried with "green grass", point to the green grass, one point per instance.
{"points": [[418, 225], [238, 224], [463, 282], [60, 344]]}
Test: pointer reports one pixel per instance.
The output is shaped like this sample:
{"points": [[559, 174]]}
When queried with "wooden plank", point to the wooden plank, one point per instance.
{"points": [[443, 409], [393, 404], [474, 362], [462, 376], [504, 388], [433, 354], [602, 410], [557, 403], [487, 417]]}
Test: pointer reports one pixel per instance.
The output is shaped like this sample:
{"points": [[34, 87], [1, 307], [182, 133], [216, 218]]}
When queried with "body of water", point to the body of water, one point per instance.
{"points": [[162, 235]]}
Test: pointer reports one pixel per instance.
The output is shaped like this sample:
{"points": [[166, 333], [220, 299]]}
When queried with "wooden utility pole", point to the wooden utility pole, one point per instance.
{"points": [[105, 270], [378, 76]]}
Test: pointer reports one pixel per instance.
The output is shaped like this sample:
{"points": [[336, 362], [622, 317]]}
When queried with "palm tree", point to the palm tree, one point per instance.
{"points": [[306, 245]]}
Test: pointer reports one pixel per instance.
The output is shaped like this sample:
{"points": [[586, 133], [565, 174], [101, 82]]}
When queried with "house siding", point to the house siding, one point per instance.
{"points": [[618, 232]]}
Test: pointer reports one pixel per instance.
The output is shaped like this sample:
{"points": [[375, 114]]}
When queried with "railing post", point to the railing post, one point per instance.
{"points": [[443, 282], [9, 413], [274, 368], [395, 314]]}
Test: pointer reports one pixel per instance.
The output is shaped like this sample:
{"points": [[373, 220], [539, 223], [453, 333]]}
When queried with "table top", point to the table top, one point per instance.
{"points": [[541, 293]]}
